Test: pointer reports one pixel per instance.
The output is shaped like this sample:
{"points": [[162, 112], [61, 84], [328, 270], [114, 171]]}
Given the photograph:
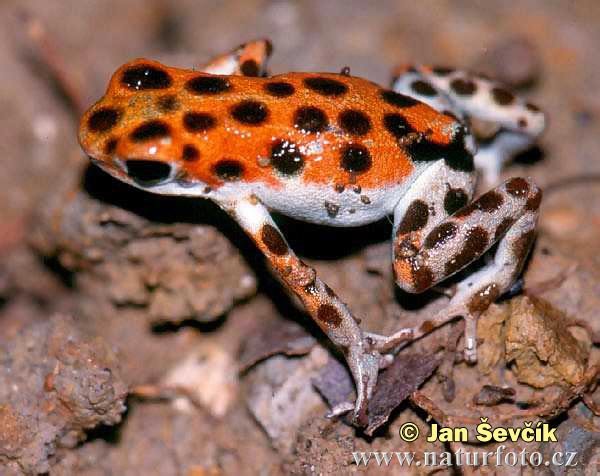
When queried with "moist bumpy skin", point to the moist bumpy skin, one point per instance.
{"points": [[328, 129]]}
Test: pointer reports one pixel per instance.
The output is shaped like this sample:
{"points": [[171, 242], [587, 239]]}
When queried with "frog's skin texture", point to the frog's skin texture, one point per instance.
{"points": [[341, 151]]}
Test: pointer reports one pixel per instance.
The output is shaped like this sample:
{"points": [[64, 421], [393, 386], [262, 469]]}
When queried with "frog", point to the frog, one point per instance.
{"points": [[342, 151]]}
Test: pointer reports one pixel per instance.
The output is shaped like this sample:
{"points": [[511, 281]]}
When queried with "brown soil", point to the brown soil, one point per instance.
{"points": [[124, 316]]}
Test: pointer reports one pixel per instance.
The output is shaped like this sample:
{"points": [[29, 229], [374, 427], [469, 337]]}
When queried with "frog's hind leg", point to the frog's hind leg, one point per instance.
{"points": [[248, 59], [410, 81], [433, 242], [485, 99], [467, 96]]}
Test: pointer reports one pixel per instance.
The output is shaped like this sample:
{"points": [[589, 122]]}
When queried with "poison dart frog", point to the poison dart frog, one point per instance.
{"points": [[338, 150]]}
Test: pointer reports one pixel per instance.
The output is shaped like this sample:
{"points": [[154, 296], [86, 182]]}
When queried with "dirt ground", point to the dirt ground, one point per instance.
{"points": [[125, 317]]}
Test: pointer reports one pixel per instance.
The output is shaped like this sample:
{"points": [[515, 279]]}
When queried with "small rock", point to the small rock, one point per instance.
{"points": [[515, 62], [209, 375]]}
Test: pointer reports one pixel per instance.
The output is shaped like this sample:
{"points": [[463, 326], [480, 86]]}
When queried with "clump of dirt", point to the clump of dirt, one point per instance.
{"points": [[54, 384], [118, 257]]}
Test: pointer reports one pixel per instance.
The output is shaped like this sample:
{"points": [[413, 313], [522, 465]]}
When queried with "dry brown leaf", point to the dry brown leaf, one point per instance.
{"points": [[395, 384], [406, 374], [275, 338], [544, 352]]}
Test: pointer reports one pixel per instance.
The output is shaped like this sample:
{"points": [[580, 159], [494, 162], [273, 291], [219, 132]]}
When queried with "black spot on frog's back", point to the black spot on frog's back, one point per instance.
{"points": [[208, 85], [354, 122], [396, 99], [286, 158], [355, 158], [228, 170], [103, 119], [198, 121], [310, 119], [145, 76], [148, 130], [250, 112], [279, 89], [190, 153], [325, 86]]}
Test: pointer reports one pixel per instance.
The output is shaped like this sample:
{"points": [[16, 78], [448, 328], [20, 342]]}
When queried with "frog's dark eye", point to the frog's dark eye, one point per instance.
{"points": [[147, 172]]}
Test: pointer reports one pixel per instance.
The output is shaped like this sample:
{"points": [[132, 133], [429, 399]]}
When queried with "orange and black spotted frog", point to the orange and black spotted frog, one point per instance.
{"points": [[338, 150]]}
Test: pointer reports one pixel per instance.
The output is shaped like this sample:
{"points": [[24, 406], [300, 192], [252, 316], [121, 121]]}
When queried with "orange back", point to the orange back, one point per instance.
{"points": [[329, 129]]}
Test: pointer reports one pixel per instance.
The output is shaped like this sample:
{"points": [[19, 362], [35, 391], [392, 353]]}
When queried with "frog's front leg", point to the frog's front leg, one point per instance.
{"points": [[430, 246], [323, 305]]}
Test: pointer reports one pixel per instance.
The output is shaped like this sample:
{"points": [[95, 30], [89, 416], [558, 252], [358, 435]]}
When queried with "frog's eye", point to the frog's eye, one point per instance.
{"points": [[147, 173]]}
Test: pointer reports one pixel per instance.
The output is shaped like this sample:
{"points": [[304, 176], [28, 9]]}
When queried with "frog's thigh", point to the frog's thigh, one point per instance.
{"points": [[433, 241], [425, 256], [436, 194]]}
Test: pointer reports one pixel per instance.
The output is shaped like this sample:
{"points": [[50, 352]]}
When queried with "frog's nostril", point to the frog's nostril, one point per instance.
{"points": [[147, 172]]}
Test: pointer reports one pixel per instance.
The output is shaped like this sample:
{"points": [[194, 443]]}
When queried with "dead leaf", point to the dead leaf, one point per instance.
{"points": [[282, 338], [544, 352], [334, 383], [396, 383]]}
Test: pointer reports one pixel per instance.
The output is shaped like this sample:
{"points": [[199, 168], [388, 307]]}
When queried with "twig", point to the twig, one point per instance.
{"points": [[164, 392], [45, 53]]}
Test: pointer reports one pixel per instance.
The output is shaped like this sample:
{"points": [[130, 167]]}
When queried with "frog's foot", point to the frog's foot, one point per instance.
{"points": [[404, 336], [364, 364]]}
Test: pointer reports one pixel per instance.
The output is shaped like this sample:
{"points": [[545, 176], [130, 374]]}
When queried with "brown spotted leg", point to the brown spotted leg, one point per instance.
{"points": [[327, 310], [466, 96], [425, 256]]}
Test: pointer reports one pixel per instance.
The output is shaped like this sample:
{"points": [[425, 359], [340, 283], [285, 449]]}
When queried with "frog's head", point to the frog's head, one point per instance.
{"points": [[134, 133]]}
